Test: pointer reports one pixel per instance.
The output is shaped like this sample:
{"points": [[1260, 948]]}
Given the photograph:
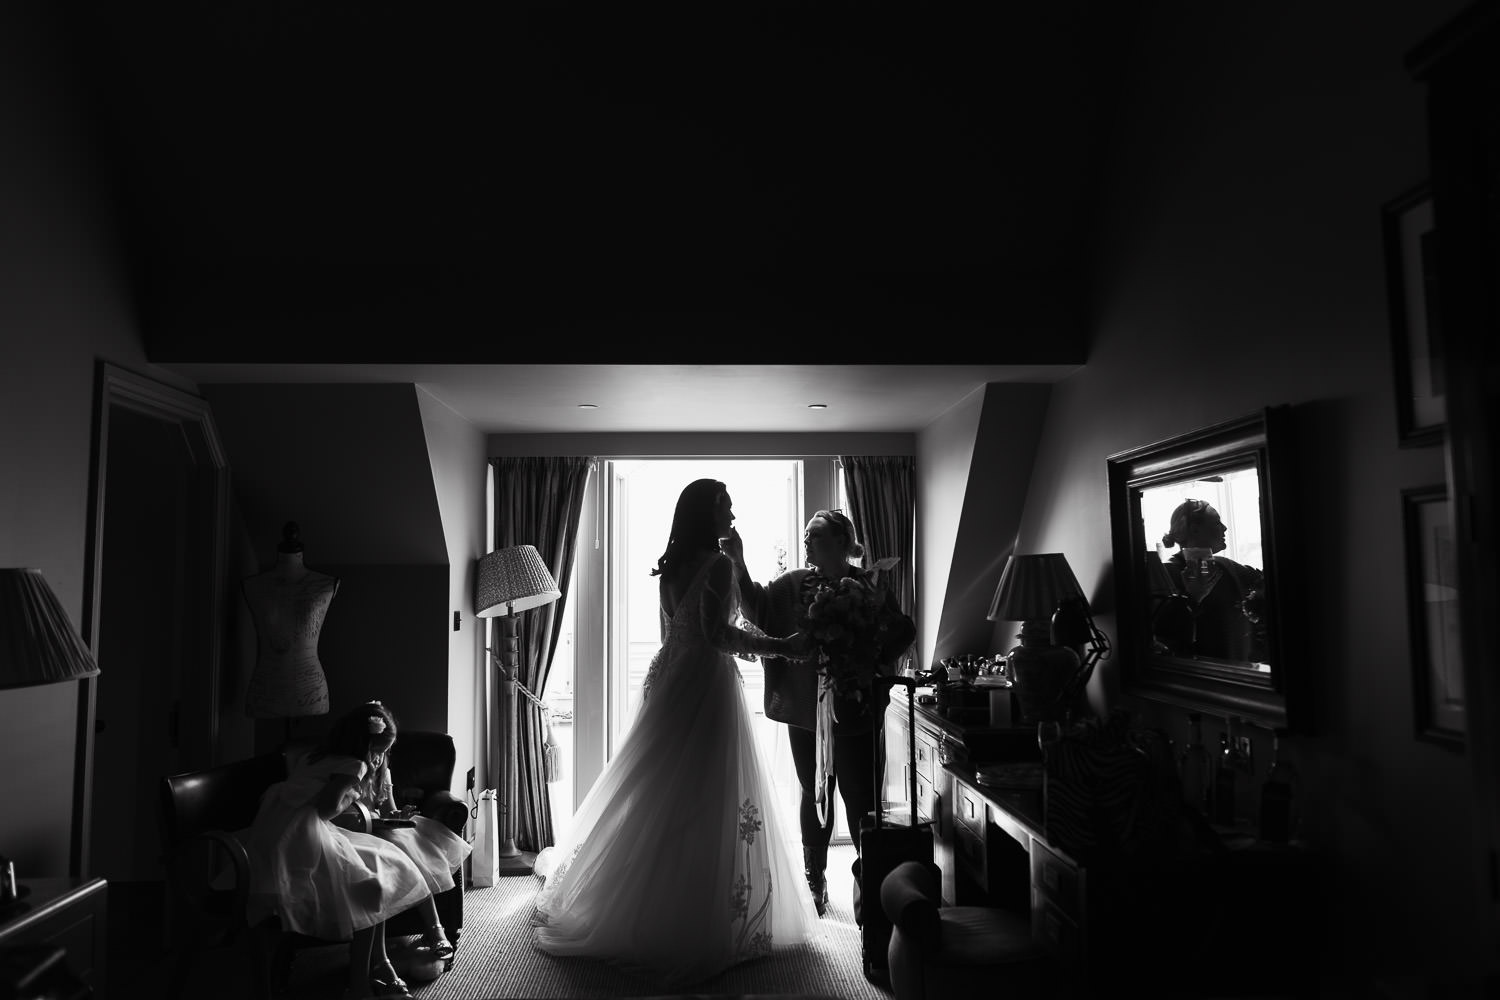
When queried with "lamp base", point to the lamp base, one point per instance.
{"points": [[521, 863], [1041, 672]]}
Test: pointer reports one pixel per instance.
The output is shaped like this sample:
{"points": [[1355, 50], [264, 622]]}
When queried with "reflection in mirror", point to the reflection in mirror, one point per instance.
{"points": [[1206, 582], [1206, 614]]}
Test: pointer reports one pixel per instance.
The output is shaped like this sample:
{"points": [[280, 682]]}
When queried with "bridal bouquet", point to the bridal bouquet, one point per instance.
{"points": [[849, 621]]}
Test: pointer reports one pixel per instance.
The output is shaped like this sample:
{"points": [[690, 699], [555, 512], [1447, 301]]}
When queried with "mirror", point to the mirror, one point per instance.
{"points": [[1205, 618]]}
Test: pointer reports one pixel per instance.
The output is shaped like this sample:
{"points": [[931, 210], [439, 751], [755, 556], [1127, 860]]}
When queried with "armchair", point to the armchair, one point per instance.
{"points": [[200, 813], [939, 951]]}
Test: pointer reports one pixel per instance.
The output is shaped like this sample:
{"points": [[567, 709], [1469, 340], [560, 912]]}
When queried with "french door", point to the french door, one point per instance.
{"points": [[612, 628]]}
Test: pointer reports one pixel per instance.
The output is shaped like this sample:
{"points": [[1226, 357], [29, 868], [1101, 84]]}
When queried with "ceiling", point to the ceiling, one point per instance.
{"points": [[749, 208], [548, 399]]}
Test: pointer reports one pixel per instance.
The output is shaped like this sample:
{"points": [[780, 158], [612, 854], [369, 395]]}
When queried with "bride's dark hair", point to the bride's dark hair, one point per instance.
{"points": [[694, 526]]}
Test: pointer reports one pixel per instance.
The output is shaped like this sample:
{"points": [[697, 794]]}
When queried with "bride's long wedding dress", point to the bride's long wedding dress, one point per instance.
{"points": [[677, 865]]}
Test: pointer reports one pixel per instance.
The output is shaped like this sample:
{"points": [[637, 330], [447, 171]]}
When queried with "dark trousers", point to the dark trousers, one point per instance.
{"points": [[853, 778]]}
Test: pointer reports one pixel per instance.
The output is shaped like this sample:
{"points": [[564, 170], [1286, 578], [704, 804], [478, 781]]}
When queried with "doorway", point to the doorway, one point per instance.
{"points": [[153, 604]]}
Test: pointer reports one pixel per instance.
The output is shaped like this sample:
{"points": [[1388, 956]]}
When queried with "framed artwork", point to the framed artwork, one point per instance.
{"points": [[1432, 612], [1412, 297]]}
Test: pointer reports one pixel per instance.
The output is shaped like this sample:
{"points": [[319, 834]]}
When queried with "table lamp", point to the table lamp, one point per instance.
{"points": [[1174, 628], [38, 645], [1032, 589], [511, 580]]}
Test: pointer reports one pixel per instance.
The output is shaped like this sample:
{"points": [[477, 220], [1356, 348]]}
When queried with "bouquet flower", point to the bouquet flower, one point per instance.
{"points": [[849, 622]]}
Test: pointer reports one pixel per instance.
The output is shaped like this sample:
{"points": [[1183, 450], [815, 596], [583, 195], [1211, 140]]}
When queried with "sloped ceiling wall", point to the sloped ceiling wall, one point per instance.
{"points": [[348, 463], [975, 464]]}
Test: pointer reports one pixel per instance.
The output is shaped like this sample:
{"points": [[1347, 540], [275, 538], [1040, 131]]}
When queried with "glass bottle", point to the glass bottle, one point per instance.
{"points": [[1222, 797], [1192, 766], [1278, 797], [1048, 736]]}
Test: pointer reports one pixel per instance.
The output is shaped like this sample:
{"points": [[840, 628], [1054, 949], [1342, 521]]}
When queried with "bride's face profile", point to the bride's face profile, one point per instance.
{"points": [[723, 515]]}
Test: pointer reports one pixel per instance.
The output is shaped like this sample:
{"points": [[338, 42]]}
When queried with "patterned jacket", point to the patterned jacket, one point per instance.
{"points": [[792, 686]]}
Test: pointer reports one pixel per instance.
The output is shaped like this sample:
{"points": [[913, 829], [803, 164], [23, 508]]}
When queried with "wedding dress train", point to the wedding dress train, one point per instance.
{"points": [[677, 865]]}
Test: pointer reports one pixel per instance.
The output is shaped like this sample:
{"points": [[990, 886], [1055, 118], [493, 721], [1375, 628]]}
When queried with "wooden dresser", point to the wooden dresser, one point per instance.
{"points": [[939, 743], [66, 912], [993, 848]]}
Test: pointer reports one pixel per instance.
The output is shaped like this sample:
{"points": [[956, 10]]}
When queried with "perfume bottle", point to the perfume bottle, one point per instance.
{"points": [[1222, 798], [1278, 797], [1192, 765]]}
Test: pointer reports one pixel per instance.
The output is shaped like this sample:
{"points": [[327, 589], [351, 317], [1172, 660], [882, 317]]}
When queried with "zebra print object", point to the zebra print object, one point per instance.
{"points": [[1109, 789]]}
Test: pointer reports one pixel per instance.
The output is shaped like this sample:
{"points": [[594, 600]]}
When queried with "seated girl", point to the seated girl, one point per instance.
{"points": [[326, 881], [370, 731]]}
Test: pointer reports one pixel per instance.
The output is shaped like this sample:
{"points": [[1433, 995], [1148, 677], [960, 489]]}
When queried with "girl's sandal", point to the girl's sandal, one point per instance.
{"points": [[439, 944], [387, 983]]}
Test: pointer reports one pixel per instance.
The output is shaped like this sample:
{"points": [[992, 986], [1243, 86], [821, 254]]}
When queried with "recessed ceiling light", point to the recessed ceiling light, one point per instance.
{"points": [[588, 406], [817, 406]]}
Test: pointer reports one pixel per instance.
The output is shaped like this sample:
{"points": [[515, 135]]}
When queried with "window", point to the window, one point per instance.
{"points": [[611, 626]]}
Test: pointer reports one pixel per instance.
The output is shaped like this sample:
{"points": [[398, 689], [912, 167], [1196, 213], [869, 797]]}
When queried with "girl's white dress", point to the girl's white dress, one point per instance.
{"points": [[677, 865], [434, 848], [318, 878]]}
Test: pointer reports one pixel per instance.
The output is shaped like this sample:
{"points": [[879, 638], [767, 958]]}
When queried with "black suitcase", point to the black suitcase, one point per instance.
{"points": [[885, 842]]}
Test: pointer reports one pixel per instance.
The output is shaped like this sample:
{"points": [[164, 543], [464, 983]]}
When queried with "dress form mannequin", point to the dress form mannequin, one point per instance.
{"points": [[288, 603]]}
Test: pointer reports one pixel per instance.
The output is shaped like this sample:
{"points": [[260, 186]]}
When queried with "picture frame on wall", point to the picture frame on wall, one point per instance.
{"points": [[1409, 237], [1432, 615]]}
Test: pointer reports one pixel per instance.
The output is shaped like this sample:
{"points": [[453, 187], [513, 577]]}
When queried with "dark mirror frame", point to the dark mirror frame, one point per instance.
{"points": [[1217, 687]]}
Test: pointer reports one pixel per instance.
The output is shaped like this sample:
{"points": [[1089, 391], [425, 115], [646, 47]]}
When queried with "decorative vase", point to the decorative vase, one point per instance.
{"points": [[1041, 670]]}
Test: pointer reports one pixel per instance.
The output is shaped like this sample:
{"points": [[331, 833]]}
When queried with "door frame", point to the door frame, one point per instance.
{"points": [[821, 479], [202, 624]]}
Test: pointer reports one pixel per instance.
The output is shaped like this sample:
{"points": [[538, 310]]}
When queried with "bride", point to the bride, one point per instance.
{"points": [[677, 865]]}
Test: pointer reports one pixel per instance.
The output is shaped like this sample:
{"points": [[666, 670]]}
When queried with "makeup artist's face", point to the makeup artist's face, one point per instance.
{"points": [[826, 547]]}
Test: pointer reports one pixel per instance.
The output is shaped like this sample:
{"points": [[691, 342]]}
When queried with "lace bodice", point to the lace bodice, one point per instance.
{"points": [[706, 616]]}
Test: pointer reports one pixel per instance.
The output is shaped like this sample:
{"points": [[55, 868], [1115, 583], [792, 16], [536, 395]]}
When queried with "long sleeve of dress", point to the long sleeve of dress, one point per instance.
{"points": [[716, 615]]}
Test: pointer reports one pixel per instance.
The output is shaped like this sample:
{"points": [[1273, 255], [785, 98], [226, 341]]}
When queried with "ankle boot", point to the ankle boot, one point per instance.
{"points": [[814, 862]]}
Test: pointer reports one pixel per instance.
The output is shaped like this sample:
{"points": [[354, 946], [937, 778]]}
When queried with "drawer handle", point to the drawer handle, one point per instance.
{"points": [[969, 807], [1049, 877]]}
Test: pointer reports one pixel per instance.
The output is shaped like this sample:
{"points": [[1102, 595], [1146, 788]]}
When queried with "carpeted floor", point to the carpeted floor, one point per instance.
{"points": [[495, 958]]}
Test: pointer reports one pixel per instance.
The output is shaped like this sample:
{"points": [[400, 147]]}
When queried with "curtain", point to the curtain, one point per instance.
{"points": [[538, 501], [883, 508]]}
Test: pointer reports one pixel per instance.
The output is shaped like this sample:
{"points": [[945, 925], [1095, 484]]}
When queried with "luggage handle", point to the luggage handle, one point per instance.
{"points": [[910, 684]]}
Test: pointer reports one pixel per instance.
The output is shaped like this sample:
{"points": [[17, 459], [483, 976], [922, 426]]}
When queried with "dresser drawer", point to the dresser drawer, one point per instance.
{"points": [[968, 808], [1054, 932], [971, 856], [926, 756], [926, 798], [1056, 881]]}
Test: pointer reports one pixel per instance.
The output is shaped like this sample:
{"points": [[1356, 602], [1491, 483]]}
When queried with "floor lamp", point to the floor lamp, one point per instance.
{"points": [[511, 580]]}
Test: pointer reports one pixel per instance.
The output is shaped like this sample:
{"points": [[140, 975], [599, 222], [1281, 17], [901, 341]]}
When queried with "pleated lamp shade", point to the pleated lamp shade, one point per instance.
{"points": [[1032, 587], [38, 644], [513, 580]]}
